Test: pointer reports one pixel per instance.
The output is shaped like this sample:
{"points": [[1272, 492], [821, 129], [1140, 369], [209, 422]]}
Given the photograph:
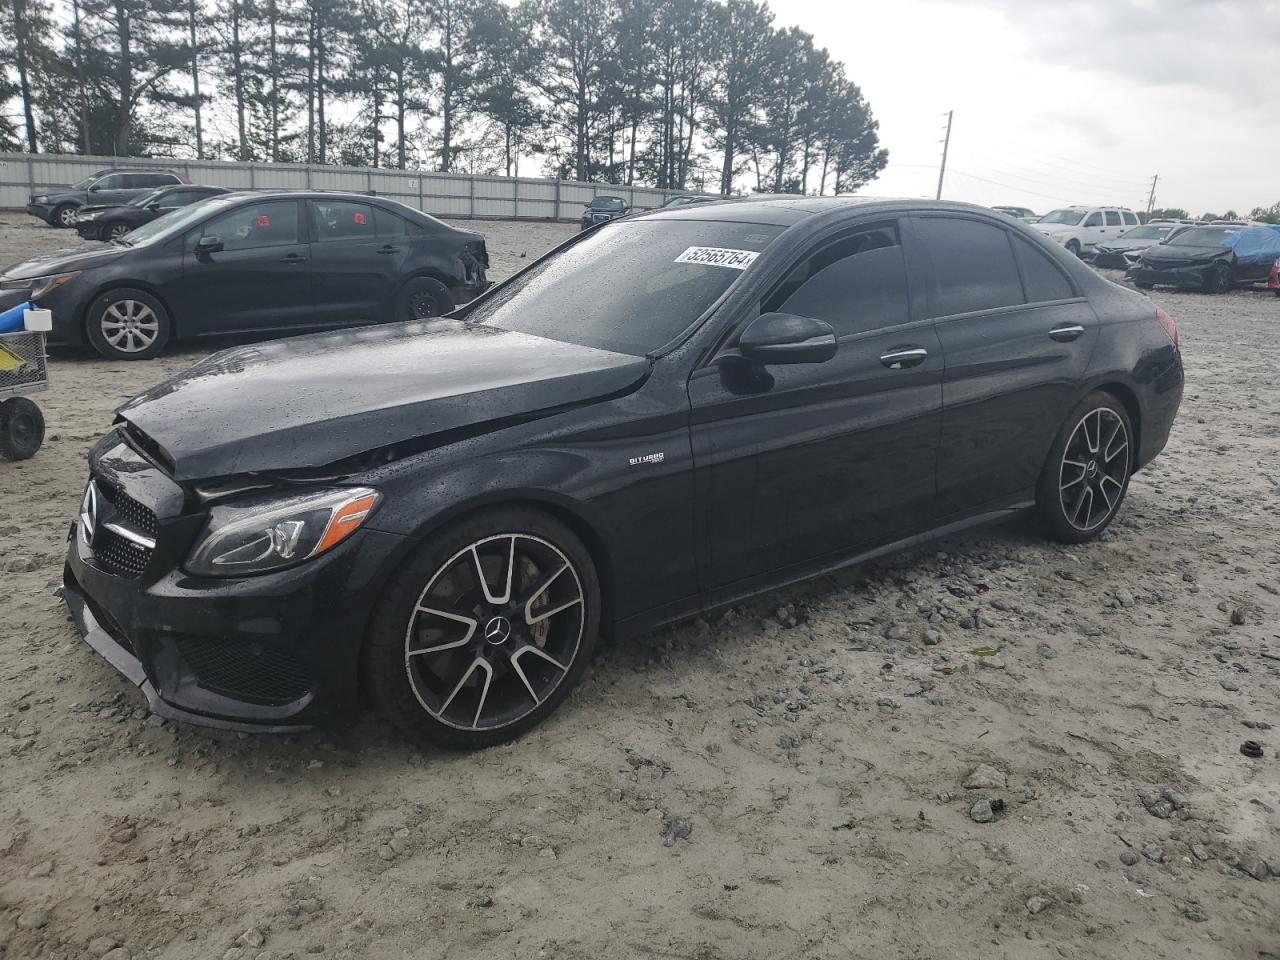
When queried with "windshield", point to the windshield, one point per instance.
{"points": [[606, 203], [629, 287], [1149, 232], [1204, 237], [170, 223], [1067, 217], [146, 198]]}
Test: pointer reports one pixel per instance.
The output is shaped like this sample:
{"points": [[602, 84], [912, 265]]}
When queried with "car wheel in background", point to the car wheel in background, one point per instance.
{"points": [[128, 324], [65, 215], [1085, 479], [484, 630], [21, 429], [1219, 279], [1073, 247], [1144, 286], [422, 298], [116, 230]]}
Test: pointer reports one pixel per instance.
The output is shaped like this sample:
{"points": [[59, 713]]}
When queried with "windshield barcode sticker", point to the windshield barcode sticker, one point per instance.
{"points": [[719, 257]]}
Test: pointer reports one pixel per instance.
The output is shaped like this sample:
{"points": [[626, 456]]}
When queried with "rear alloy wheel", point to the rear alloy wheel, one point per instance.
{"points": [[1087, 473], [128, 324], [423, 298], [1073, 247], [1219, 279], [21, 429], [65, 216], [485, 631], [115, 231]]}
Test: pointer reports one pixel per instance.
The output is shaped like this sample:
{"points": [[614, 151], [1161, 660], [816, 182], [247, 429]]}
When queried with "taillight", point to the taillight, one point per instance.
{"points": [[1170, 327]]}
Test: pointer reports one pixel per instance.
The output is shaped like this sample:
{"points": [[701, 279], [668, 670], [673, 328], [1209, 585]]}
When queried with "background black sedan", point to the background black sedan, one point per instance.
{"points": [[1213, 258], [663, 415], [112, 221], [255, 263]]}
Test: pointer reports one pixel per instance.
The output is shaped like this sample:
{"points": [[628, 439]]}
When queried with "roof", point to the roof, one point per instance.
{"points": [[785, 210]]}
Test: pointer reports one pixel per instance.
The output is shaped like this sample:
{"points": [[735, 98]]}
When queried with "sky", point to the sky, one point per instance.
{"points": [[1061, 102]]}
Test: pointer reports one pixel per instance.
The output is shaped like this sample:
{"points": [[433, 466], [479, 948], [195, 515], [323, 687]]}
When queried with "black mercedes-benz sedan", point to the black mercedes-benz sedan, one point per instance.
{"points": [[253, 263], [113, 221], [662, 415]]}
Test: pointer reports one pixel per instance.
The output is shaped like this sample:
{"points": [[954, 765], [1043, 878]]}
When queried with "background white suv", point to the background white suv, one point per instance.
{"points": [[1080, 229]]}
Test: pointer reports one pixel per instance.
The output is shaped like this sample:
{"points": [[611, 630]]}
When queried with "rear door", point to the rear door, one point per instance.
{"points": [[1017, 337], [797, 462], [259, 281], [355, 271]]}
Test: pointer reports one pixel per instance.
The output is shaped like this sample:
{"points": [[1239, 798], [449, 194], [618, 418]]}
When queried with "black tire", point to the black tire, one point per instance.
{"points": [[114, 230], [1144, 286], [422, 298], [409, 689], [64, 216], [1060, 483], [1073, 247], [109, 314], [1219, 279], [21, 429]]}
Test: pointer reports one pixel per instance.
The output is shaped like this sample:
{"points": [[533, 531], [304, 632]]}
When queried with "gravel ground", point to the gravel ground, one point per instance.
{"points": [[989, 747]]}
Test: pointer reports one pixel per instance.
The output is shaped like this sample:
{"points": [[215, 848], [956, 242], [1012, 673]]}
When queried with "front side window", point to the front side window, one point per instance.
{"points": [[343, 220], [115, 181], [273, 223], [856, 284], [631, 286], [973, 266], [1113, 218], [1094, 220]]}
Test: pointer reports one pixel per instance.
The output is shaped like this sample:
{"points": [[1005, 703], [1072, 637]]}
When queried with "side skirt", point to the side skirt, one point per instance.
{"points": [[743, 590]]}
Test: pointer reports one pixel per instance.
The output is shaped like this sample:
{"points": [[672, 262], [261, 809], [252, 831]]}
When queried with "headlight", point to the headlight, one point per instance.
{"points": [[88, 216], [272, 533], [43, 286], [40, 199]]}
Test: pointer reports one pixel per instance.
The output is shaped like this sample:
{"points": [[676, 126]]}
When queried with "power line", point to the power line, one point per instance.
{"points": [[1075, 162], [1075, 185], [1055, 198], [1084, 180]]}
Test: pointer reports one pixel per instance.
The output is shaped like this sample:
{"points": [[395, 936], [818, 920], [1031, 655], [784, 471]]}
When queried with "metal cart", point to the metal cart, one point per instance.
{"points": [[24, 369]]}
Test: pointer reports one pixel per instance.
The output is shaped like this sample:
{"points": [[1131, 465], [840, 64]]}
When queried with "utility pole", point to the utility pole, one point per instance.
{"points": [[946, 143], [1151, 200]]}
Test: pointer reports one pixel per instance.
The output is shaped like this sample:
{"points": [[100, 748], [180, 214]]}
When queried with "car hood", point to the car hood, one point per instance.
{"points": [[1163, 253], [81, 257], [1119, 246], [308, 402]]}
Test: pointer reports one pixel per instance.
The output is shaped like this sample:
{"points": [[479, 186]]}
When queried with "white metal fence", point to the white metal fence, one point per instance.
{"points": [[440, 194]]}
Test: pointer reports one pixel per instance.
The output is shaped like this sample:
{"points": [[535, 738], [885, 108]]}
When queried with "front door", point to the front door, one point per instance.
{"points": [[796, 463], [259, 281], [1017, 338]]}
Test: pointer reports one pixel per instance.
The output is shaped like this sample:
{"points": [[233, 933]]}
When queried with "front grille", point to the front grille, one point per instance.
{"points": [[116, 554], [244, 669], [33, 370]]}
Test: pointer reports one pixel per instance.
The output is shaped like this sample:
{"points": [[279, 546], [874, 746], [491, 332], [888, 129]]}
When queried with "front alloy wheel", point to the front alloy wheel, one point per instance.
{"points": [[1087, 473], [497, 631]]}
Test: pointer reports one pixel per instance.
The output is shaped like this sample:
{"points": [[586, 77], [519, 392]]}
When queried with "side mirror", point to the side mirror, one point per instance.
{"points": [[153, 205], [208, 245], [786, 338], [94, 188]]}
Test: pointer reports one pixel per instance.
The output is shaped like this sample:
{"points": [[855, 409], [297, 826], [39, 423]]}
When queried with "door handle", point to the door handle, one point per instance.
{"points": [[388, 249], [293, 258], [1067, 332], [906, 357]]}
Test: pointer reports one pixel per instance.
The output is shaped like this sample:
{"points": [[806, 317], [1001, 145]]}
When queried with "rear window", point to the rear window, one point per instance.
{"points": [[343, 220], [973, 266], [630, 286]]}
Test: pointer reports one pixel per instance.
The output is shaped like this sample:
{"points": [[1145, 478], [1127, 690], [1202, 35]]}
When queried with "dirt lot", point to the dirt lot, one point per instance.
{"points": [[784, 780]]}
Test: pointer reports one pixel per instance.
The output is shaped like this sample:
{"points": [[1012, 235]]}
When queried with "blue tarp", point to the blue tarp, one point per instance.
{"points": [[11, 319], [1255, 244]]}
